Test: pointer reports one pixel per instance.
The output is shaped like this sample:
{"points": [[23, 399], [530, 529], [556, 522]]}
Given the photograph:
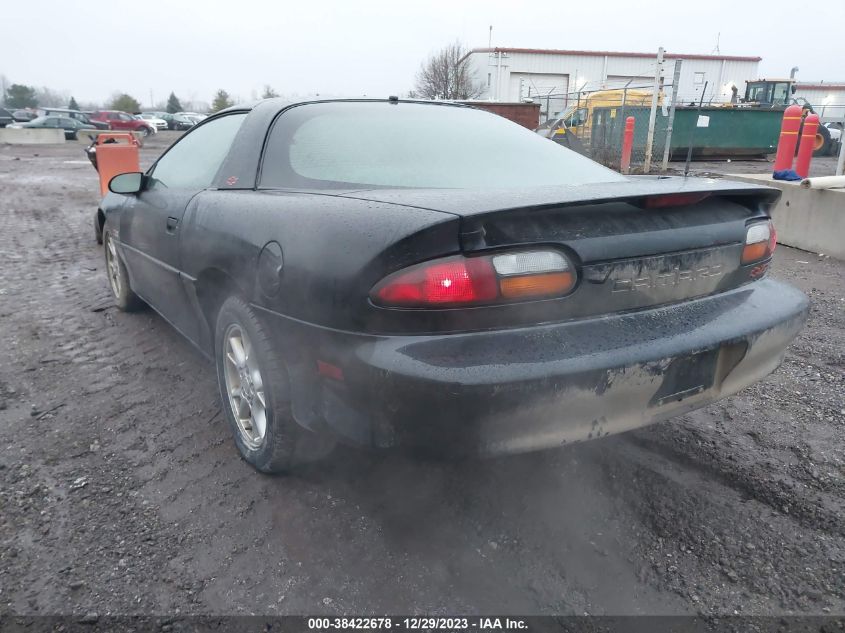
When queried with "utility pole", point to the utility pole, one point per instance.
{"points": [[649, 143], [676, 78]]}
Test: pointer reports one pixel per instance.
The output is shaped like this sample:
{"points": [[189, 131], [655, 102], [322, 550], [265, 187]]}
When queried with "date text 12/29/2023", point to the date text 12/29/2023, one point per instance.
{"points": [[417, 623]]}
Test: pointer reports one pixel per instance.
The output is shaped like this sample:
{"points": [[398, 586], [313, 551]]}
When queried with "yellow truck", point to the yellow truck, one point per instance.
{"points": [[577, 119]]}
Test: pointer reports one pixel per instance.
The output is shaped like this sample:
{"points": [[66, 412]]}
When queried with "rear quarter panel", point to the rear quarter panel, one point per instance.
{"points": [[333, 249]]}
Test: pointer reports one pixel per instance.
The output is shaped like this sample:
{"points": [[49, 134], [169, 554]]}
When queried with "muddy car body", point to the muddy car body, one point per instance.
{"points": [[439, 277]]}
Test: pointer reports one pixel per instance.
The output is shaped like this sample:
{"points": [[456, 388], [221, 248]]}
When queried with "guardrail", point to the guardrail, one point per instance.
{"points": [[31, 136], [810, 219]]}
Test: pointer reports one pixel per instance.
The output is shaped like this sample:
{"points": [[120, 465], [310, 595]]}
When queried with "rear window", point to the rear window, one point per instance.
{"points": [[355, 145]]}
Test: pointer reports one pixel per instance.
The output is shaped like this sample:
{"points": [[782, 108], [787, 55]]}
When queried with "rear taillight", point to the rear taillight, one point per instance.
{"points": [[453, 280], [760, 242], [488, 279]]}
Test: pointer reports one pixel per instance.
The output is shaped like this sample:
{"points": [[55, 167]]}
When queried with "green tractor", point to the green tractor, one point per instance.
{"points": [[777, 93]]}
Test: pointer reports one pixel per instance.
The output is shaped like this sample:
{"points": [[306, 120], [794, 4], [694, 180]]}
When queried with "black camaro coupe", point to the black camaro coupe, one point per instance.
{"points": [[397, 273]]}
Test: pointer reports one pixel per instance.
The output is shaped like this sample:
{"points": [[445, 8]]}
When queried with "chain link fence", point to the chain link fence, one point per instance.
{"points": [[593, 123], [700, 131], [607, 135], [700, 123]]}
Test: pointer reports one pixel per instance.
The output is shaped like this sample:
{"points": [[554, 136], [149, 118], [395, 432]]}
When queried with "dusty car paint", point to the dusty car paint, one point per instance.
{"points": [[660, 289]]}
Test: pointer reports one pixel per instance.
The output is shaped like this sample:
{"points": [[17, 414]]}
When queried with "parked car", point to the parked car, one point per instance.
{"points": [[6, 117], [438, 276], [70, 126], [74, 114], [123, 121], [22, 116], [167, 117], [180, 122], [153, 119]]}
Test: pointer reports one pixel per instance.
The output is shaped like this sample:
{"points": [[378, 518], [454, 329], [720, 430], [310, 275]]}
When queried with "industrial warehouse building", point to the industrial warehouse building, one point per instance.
{"points": [[554, 78], [827, 99]]}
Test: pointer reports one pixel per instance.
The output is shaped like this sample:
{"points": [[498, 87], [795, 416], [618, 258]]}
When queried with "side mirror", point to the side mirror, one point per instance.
{"points": [[126, 184]]}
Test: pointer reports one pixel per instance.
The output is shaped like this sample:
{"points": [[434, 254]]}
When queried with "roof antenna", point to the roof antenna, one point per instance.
{"points": [[490, 37], [716, 50]]}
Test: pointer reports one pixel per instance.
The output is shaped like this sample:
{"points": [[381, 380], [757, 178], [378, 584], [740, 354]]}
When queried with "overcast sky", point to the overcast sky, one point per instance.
{"points": [[94, 48]]}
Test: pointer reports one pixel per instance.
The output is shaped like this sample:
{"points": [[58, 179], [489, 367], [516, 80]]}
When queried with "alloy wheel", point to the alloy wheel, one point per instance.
{"points": [[244, 386], [113, 267]]}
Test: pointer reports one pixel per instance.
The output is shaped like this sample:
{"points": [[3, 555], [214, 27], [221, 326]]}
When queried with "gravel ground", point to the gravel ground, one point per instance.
{"points": [[820, 166], [121, 491]]}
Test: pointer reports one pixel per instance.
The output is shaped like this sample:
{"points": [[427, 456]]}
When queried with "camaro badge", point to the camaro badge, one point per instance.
{"points": [[668, 279]]}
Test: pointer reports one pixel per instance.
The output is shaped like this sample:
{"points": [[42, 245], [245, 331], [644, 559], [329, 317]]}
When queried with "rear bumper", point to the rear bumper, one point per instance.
{"points": [[528, 388]]}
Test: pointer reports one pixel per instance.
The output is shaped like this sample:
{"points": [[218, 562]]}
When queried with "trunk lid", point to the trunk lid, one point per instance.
{"points": [[468, 203], [630, 253]]}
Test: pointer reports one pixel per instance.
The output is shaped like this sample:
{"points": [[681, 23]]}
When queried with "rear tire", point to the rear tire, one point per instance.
{"points": [[98, 230], [124, 297], [254, 390]]}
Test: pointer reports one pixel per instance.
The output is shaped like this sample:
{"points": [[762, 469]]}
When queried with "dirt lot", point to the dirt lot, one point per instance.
{"points": [[820, 166], [121, 490]]}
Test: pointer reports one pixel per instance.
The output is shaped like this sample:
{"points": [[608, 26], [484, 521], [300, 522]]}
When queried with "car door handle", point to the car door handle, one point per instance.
{"points": [[172, 224]]}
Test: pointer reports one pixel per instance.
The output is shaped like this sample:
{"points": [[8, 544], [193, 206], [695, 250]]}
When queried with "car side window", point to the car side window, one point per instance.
{"points": [[194, 161]]}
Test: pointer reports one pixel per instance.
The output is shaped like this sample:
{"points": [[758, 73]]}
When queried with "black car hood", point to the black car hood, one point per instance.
{"points": [[469, 202]]}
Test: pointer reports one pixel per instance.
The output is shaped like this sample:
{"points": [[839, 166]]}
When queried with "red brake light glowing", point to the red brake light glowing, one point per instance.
{"points": [[455, 281]]}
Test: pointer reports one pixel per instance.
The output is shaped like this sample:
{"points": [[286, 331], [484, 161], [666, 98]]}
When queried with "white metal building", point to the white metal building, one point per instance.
{"points": [[827, 99], [513, 74]]}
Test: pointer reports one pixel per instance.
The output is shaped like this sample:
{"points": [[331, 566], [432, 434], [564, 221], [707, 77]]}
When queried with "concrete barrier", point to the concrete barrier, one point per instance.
{"points": [[31, 136], [809, 219], [83, 136]]}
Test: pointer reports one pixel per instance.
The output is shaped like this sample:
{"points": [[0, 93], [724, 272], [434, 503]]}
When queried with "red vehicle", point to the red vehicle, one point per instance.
{"points": [[122, 121]]}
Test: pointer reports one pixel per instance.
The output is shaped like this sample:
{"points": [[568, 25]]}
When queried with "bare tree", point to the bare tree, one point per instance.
{"points": [[47, 97], [447, 75]]}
